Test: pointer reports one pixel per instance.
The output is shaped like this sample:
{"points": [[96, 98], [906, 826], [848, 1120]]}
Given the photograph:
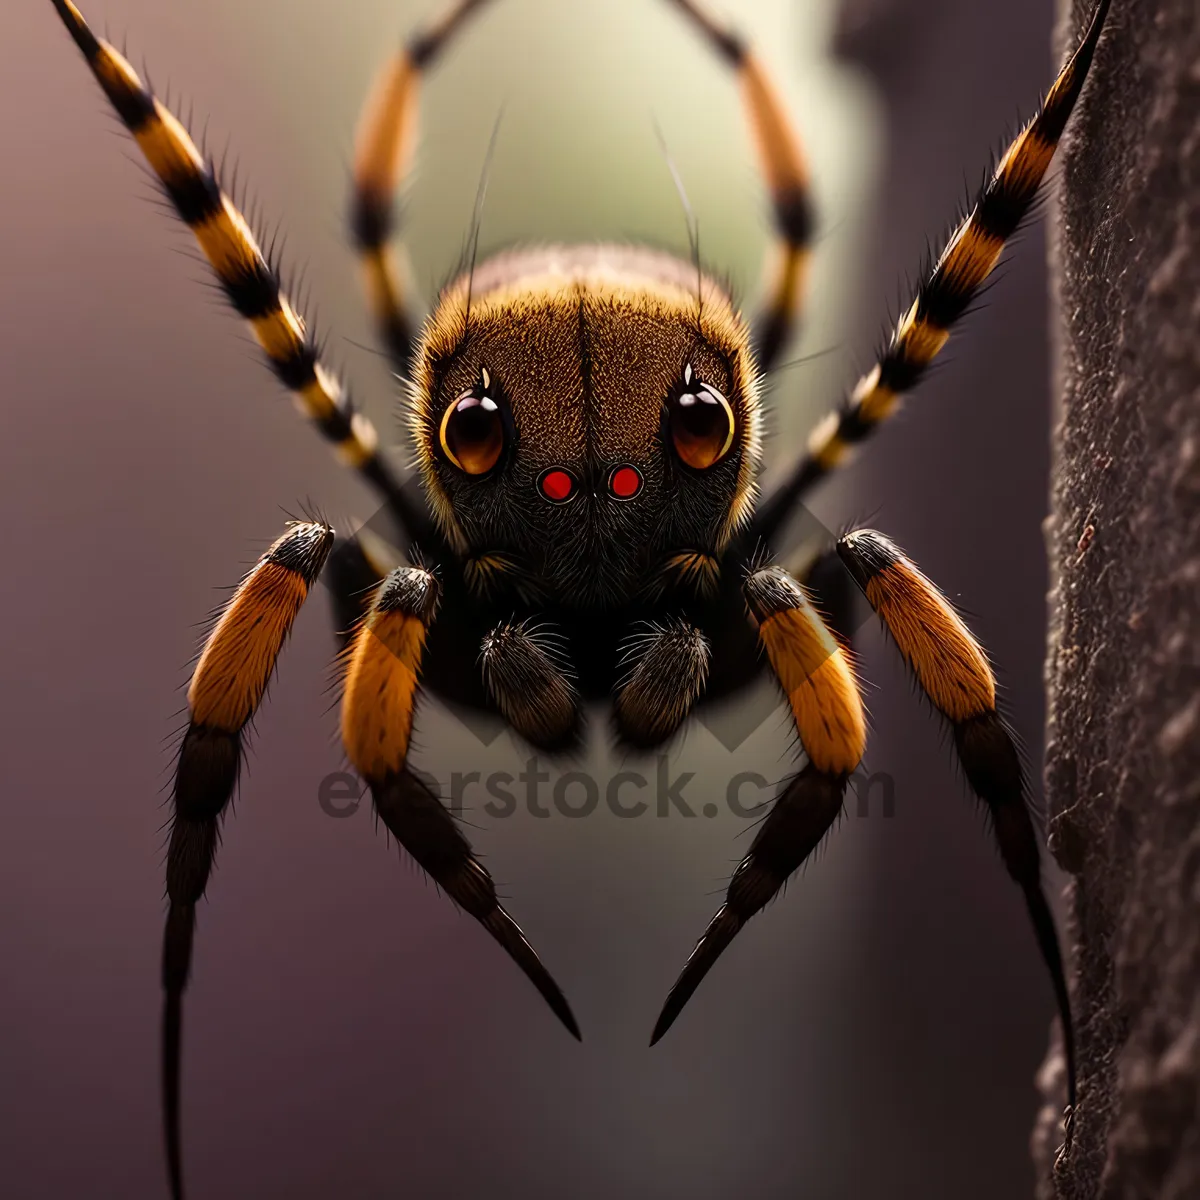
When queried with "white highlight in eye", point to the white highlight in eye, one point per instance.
{"points": [[694, 445], [486, 403]]}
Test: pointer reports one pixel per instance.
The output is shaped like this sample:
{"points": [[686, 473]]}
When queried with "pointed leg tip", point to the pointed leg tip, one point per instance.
{"points": [[672, 1007], [508, 933], [552, 994], [562, 1010], [172, 1036], [722, 929]]}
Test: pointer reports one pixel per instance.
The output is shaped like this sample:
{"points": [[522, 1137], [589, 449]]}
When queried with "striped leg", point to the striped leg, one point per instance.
{"points": [[786, 173], [383, 666], [953, 672], [249, 280], [968, 259], [382, 160], [228, 685], [816, 676]]}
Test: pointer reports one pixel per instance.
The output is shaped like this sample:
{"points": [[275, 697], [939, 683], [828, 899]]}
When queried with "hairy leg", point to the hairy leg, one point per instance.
{"points": [[383, 666], [953, 671], [786, 173], [227, 687], [944, 296], [246, 274], [815, 675], [382, 161]]}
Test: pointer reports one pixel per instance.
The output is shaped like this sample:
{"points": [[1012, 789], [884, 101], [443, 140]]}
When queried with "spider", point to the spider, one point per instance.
{"points": [[586, 423]]}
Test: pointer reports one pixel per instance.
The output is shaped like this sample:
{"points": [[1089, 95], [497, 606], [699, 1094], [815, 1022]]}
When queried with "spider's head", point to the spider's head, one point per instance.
{"points": [[587, 419]]}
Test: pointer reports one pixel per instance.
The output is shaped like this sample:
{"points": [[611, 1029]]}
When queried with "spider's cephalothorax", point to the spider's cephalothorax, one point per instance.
{"points": [[587, 418], [586, 425]]}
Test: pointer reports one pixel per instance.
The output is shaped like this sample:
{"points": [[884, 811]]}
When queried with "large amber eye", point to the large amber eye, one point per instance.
{"points": [[472, 432], [700, 422]]}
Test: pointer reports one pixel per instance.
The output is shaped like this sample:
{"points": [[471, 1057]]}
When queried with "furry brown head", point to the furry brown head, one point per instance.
{"points": [[606, 406]]}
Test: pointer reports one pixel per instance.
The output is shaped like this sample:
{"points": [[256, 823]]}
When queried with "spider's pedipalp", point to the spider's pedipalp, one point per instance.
{"points": [[814, 672], [667, 677], [250, 282], [527, 685], [227, 687], [381, 688], [785, 170], [383, 157], [970, 255], [954, 673]]}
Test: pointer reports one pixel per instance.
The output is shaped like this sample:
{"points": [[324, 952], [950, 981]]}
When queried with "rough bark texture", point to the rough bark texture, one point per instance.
{"points": [[1123, 773]]}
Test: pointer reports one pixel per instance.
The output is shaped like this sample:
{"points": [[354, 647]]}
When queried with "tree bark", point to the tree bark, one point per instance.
{"points": [[1123, 773]]}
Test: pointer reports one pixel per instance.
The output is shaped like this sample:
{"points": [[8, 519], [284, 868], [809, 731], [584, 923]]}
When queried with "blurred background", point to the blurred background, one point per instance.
{"points": [[875, 1033]]}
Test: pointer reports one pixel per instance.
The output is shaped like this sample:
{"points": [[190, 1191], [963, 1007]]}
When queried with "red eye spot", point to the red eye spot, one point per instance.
{"points": [[556, 485], [625, 482]]}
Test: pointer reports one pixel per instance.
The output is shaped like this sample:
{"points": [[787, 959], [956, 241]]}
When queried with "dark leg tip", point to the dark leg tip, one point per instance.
{"points": [[508, 933], [172, 1032], [866, 553], [665, 1020], [722, 929]]}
